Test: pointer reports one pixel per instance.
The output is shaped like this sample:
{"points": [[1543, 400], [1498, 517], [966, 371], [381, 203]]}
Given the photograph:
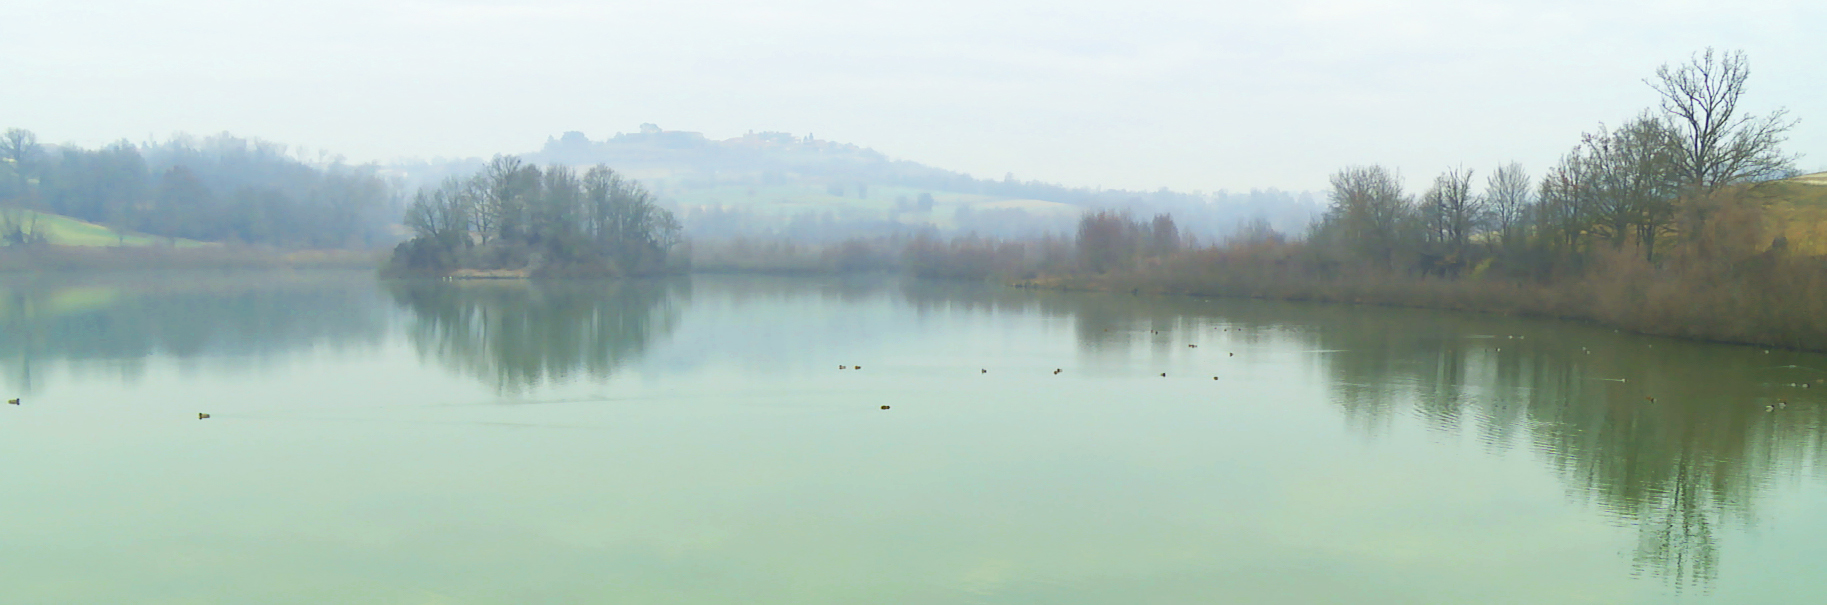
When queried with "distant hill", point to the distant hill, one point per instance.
{"points": [[786, 185]]}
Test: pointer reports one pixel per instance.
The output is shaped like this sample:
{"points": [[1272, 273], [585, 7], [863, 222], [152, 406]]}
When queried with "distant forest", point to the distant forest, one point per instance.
{"points": [[218, 189]]}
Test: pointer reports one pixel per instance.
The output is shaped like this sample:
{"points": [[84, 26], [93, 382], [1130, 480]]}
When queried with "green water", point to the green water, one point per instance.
{"points": [[693, 441]]}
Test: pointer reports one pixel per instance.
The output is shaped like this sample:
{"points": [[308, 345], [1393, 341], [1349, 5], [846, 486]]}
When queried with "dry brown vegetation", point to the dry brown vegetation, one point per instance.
{"points": [[1731, 277]]}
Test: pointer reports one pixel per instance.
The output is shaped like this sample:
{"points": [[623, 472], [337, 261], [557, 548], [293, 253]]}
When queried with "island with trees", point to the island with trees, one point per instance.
{"points": [[513, 219]]}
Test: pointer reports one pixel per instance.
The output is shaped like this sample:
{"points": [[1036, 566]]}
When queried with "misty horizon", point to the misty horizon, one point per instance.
{"points": [[1154, 95]]}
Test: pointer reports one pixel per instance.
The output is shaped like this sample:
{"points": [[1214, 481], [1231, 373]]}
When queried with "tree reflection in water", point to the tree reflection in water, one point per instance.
{"points": [[1669, 437], [1677, 468], [118, 323], [519, 335]]}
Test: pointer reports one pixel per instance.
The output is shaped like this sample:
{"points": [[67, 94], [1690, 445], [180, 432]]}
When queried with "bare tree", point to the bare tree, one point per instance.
{"points": [[1508, 197], [1718, 146], [1369, 214], [1163, 235], [1453, 213], [19, 151], [1563, 209], [1632, 174]]}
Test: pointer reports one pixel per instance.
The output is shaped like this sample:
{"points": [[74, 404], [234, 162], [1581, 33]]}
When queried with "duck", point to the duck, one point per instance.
{"points": [[1214, 378], [983, 371], [884, 407], [1192, 346], [1056, 370], [1164, 374], [843, 367], [1649, 399], [856, 367], [201, 416], [13, 401]]}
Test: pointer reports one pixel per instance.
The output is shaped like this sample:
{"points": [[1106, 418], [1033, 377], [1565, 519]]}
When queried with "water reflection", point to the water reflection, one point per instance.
{"points": [[120, 322], [517, 335], [1672, 438]]}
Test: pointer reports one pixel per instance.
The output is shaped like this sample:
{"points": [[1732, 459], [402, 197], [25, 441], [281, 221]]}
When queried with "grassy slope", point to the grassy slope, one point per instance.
{"points": [[1800, 206], [65, 231]]}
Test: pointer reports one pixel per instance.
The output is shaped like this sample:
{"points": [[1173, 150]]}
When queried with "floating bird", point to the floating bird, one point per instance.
{"points": [[1164, 374], [884, 407], [201, 416], [1192, 346], [1232, 354], [857, 368], [14, 401], [1769, 408], [1214, 378], [843, 367], [1055, 370], [1782, 403], [1650, 399], [984, 371]]}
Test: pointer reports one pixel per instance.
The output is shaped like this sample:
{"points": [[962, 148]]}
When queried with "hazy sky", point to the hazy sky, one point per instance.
{"points": [[1139, 94]]}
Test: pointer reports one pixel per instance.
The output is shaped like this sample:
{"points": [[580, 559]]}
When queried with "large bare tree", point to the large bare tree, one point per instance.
{"points": [[1508, 196], [1453, 213], [1719, 145], [1369, 215]]}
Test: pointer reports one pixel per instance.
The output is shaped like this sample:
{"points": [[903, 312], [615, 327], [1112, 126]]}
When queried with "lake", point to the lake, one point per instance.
{"points": [[694, 440]]}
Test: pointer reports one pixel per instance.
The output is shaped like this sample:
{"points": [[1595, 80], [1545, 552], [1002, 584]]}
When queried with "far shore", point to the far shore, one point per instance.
{"points": [[41, 258]]}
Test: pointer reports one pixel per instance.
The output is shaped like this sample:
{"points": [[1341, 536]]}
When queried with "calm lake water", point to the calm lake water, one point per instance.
{"points": [[693, 441]]}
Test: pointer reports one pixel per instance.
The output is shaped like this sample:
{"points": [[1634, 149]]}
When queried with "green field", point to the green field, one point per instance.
{"points": [[65, 231]]}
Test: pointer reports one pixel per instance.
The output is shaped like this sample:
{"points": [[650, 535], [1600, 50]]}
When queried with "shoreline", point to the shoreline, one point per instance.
{"points": [[1577, 301], [77, 259]]}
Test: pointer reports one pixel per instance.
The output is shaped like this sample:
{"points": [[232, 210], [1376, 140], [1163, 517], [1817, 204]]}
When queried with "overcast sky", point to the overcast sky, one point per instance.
{"points": [[1137, 93]]}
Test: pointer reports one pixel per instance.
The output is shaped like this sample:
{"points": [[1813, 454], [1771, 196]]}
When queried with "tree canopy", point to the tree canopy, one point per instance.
{"points": [[515, 216]]}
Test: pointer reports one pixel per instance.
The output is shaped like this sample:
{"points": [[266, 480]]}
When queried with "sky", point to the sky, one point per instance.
{"points": [[1137, 94]]}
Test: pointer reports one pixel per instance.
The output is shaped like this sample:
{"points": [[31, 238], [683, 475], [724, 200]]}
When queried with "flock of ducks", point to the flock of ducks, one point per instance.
{"points": [[1780, 404], [1056, 372]]}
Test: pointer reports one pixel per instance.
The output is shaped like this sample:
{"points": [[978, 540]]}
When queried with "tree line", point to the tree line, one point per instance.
{"points": [[1658, 175], [1674, 223], [220, 188], [515, 216]]}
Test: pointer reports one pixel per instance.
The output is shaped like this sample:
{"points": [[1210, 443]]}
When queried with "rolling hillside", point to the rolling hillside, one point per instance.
{"points": [[1800, 205], [65, 231]]}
